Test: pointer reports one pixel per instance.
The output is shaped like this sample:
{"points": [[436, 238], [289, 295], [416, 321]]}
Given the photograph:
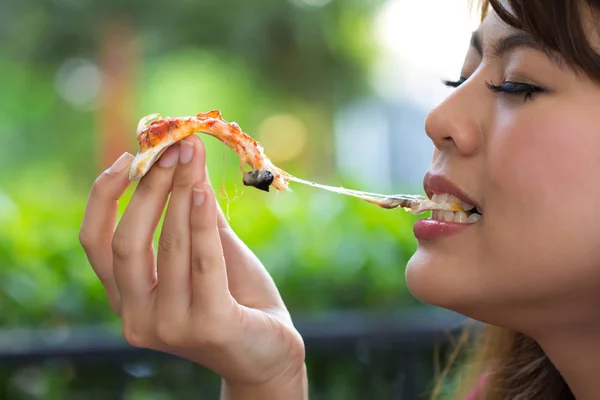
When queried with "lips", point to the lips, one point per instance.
{"points": [[430, 229], [443, 224], [440, 185]]}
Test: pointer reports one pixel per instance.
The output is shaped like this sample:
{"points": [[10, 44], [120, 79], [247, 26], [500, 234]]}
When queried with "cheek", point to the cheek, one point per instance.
{"points": [[542, 173], [547, 162]]}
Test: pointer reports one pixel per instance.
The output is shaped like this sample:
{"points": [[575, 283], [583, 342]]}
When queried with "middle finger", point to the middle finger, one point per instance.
{"points": [[174, 289]]}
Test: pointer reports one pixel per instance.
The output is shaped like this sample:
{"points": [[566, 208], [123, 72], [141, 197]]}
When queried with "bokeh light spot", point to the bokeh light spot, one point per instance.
{"points": [[283, 136], [78, 82]]}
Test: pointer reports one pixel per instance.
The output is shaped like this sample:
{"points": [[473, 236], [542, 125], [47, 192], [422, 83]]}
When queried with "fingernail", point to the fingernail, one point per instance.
{"points": [[187, 151], [121, 163], [198, 196], [169, 158]]}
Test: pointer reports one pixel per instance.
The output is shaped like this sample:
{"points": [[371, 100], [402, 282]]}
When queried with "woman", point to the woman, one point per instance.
{"points": [[519, 138]]}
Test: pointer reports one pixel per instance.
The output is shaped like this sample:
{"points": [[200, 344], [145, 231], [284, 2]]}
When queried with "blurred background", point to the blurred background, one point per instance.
{"points": [[335, 90]]}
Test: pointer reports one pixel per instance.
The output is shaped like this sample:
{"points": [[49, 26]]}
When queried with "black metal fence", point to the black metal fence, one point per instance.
{"points": [[350, 355]]}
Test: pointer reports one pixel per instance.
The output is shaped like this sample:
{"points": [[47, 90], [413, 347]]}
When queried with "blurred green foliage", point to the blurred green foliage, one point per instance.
{"points": [[323, 250], [296, 45], [251, 61]]}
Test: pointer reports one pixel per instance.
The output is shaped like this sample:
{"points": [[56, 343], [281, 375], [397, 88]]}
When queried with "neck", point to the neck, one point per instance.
{"points": [[573, 353]]}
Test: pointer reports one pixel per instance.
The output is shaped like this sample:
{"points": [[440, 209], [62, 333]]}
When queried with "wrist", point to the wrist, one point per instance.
{"points": [[288, 387]]}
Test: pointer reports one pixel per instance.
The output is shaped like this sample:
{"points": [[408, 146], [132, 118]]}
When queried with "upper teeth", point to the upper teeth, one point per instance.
{"points": [[450, 198]]}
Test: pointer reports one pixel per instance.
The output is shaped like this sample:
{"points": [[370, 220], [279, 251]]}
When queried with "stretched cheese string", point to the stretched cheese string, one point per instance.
{"points": [[349, 192], [382, 200]]}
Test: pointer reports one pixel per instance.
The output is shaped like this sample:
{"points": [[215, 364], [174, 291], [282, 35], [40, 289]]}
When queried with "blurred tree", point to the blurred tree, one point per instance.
{"points": [[298, 45], [119, 66], [253, 60], [316, 51], [306, 55]]}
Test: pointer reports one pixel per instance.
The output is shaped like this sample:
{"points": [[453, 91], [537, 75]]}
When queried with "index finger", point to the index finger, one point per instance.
{"points": [[98, 225]]}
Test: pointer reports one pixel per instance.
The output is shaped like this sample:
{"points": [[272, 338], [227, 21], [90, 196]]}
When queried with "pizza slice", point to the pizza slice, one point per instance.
{"points": [[155, 134]]}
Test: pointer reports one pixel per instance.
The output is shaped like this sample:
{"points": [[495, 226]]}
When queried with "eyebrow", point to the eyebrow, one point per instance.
{"points": [[513, 42]]}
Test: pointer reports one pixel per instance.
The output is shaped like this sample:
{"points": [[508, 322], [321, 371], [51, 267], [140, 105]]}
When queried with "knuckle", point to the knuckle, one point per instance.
{"points": [[169, 242], [148, 183], [122, 249], [135, 336], [98, 184], [182, 181], [169, 334], [184, 178], [202, 263], [102, 184], [157, 180], [85, 239]]}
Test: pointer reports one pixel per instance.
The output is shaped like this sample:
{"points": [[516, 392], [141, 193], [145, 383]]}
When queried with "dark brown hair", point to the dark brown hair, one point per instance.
{"points": [[515, 365], [563, 26]]}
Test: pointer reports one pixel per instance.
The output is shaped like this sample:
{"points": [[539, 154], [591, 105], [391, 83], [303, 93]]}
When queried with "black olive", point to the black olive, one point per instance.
{"points": [[260, 179]]}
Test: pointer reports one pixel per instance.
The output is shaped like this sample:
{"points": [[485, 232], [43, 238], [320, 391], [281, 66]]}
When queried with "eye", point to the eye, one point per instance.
{"points": [[455, 84], [526, 90]]}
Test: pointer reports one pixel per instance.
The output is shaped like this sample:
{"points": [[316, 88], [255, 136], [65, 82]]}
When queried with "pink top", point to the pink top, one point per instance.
{"points": [[477, 390]]}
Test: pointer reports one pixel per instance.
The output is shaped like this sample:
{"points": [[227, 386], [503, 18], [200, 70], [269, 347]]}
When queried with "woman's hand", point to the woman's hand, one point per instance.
{"points": [[204, 295]]}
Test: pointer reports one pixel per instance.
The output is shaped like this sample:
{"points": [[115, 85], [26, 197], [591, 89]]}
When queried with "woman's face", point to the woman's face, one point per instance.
{"points": [[532, 164]]}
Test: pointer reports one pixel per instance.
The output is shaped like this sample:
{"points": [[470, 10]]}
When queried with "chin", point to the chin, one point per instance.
{"points": [[442, 281], [454, 282]]}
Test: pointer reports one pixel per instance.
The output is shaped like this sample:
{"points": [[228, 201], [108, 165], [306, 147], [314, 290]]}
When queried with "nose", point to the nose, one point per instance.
{"points": [[455, 124]]}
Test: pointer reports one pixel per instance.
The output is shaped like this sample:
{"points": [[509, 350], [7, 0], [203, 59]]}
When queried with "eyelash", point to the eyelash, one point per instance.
{"points": [[511, 88]]}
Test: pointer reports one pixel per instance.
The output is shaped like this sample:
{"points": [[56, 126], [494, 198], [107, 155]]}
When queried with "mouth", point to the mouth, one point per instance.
{"points": [[441, 190], [469, 214]]}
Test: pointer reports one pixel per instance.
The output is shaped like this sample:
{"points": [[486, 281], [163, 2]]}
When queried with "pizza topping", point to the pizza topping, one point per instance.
{"points": [[259, 178], [155, 134]]}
